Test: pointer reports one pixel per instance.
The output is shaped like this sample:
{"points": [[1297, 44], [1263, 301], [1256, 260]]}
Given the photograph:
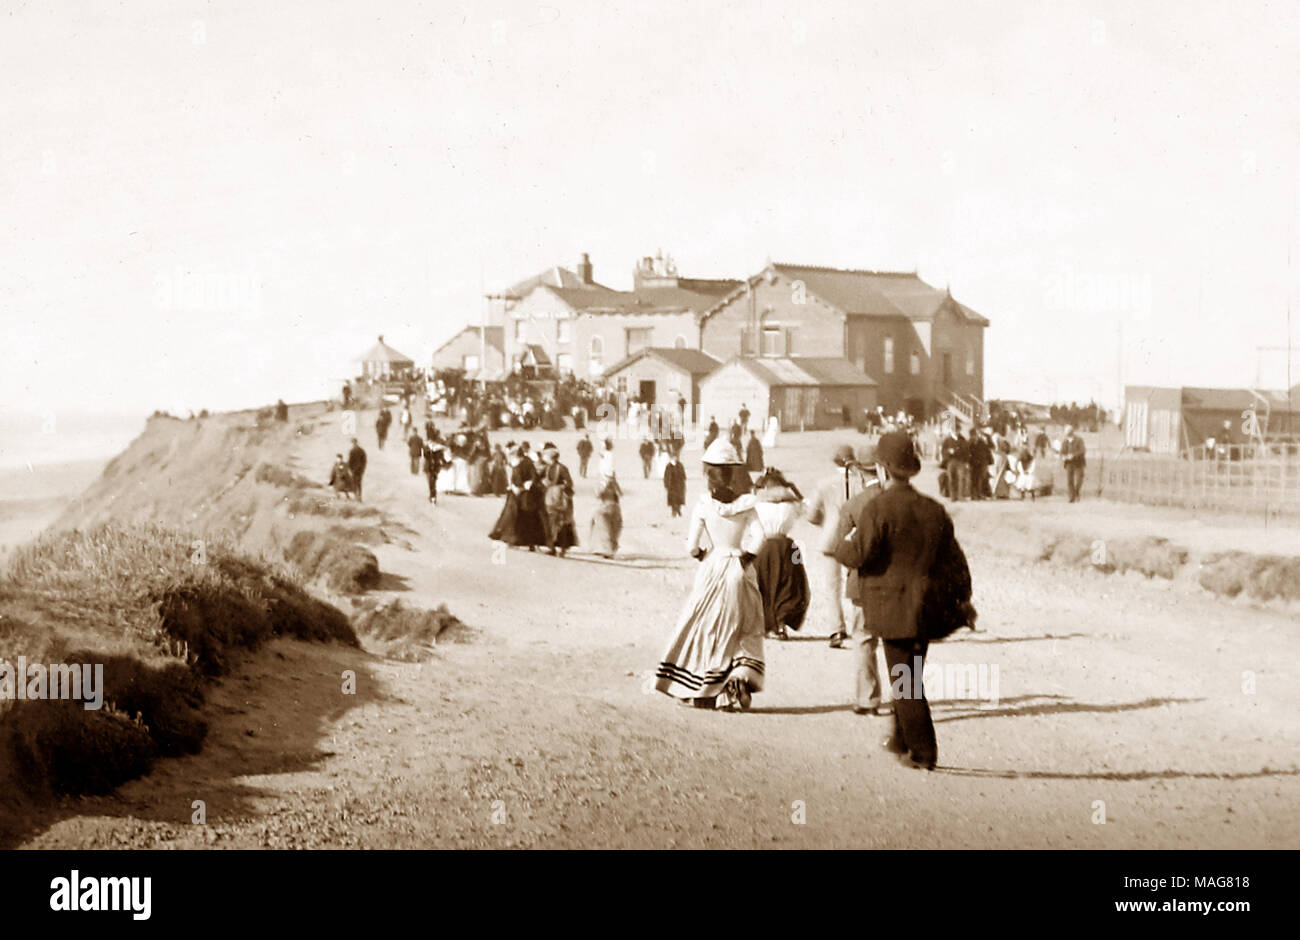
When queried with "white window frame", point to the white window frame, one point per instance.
{"points": [[889, 354], [915, 363]]}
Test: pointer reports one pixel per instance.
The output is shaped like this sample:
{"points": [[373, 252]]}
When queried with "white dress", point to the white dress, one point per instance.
{"points": [[719, 634]]}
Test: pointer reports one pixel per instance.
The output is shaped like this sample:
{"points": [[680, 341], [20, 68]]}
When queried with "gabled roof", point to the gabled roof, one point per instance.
{"points": [[496, 337], [552, 277], [866, 293], [1232, 399], [382, 352], [535, 355], [692, 361], [877, 293], [595, 299], [808, 371]]}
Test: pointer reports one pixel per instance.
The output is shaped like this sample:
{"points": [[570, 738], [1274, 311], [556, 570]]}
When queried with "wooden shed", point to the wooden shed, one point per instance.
{"points": [[804, 392]]}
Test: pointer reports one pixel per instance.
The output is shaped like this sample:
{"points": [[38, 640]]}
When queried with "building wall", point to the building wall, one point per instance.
{"points": [[670, 381], [542, 311], [808, 326], [452, 356], [949, 333], [724, 390], [612, 328]]}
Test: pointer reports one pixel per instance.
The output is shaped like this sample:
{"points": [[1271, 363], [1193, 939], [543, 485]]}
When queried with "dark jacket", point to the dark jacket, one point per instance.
{"points": [[357, 461], [754, 455], [675, 483], [1072, 452], [850, 513], [893, 548]]}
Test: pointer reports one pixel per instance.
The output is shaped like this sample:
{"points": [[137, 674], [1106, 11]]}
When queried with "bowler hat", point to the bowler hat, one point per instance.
{"points": [[896, 453], [843, 455]]}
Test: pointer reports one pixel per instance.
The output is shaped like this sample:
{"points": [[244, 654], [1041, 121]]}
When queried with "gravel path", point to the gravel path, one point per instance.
{"points": [[534, 730]]}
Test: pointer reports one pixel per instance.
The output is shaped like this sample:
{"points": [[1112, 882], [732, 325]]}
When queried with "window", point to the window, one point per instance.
{"points": [[470, 362], [596, 356], [638, 339], [970, 362], [889, 354], [562, 331], [679, 342], [521, 331], [621, 384], [916, 362], [564, 363], [771, 341]]}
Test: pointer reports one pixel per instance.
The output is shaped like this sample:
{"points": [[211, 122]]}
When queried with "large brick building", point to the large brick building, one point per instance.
{"points": [[923, 349]]}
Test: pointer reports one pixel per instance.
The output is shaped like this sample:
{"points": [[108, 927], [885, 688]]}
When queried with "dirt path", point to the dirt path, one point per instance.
{"points": [[536, 732]]}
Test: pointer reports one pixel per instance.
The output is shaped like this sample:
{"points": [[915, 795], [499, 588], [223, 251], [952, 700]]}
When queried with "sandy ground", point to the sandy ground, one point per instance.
{"points": [[1116, 696]]}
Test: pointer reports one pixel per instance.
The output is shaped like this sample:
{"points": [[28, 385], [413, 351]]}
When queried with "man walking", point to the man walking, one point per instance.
{"points": [[382, 422], [415, 447], [1072, 455], [868, 694], [744, 418], [585, 450], [357, 464], [754, 454], [825, 512], [894, 547]]}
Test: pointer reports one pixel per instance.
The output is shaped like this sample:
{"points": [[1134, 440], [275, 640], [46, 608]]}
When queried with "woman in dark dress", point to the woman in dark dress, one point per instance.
{"points": [[557, 484], [499, 472], [521, 521]]}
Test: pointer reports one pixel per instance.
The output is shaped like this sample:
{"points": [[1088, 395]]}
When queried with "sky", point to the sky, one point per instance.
{"points": [[214, 205]]}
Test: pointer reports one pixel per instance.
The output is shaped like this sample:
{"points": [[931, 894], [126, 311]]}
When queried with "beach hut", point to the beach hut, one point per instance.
{"points": [[384, 363]]}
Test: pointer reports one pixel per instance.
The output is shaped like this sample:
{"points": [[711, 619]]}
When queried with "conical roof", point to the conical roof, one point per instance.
{"points": [[382, 352]]}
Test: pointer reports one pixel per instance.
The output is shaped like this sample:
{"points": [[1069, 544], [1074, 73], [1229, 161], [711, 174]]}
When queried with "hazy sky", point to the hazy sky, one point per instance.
{"points": [[218, 204]]}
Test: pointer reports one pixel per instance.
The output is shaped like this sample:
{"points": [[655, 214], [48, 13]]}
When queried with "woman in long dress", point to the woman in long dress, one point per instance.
{"points": [[715, 655], [782, 577], [477, 472], [557, 489], [607, 523], [521, 521], [499, 472]]}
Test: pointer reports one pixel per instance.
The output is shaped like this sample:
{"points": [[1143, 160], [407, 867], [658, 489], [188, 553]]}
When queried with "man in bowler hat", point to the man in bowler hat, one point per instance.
{"points": [[893, 548]]}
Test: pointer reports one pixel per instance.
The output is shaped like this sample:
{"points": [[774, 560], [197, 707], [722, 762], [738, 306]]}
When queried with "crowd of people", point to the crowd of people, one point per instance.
{"points": [[889, 553], [982, 462]]}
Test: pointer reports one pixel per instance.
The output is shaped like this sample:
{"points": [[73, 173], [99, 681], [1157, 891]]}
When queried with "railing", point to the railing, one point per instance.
{"points": [[1238, 481]]}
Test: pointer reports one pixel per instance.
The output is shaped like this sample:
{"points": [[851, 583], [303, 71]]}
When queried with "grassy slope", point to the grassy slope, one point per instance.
{"points": [[162, 606]]}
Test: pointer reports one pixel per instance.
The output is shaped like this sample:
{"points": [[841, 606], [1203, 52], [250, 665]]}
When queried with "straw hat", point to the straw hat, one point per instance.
{"points": [[721, 453]]}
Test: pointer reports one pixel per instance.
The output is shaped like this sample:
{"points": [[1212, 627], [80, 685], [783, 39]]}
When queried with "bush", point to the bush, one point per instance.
{"points": [[344, 567], [283, 477], [407, 633], [1263, 577], [160, 614]]}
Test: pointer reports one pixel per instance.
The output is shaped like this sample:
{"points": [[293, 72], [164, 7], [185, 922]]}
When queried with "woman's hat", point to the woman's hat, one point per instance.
{"points": [[721, 453], [896, 453]]}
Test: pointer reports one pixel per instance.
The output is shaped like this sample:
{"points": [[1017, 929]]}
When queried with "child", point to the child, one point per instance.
{"points": [[607, 523]]}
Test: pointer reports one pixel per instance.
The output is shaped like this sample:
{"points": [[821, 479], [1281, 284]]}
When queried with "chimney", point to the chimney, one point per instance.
{"points": [[584, 268]]}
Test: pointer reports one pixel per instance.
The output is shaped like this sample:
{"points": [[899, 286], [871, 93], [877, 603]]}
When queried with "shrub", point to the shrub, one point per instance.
{"points": [[160, 617]]}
